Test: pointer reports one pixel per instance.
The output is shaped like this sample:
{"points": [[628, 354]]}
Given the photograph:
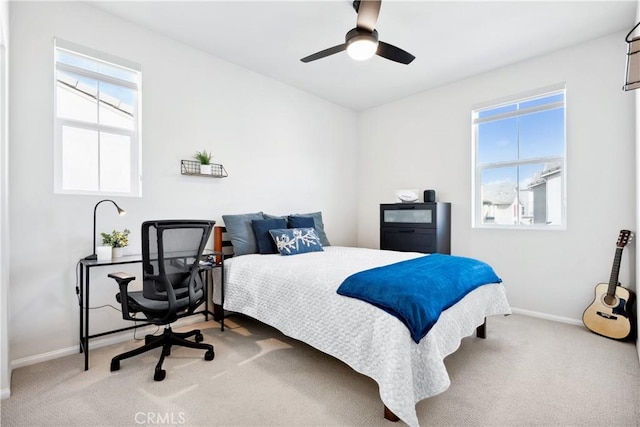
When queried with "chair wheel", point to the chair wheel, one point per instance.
{"points": [[115, 365], [209, 355], [199, 338], [159, 375]]}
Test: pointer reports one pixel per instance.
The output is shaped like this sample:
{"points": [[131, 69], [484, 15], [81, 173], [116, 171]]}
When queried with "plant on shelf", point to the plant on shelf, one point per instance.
{"points": [[205, 161], [203, 157]]}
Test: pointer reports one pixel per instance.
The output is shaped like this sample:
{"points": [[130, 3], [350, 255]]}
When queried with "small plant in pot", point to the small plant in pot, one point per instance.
{"points": [[205, 161], [118, 240]]}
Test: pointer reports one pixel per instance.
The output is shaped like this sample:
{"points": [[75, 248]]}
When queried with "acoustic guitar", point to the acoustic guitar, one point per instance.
{"points": [[609, 313]]}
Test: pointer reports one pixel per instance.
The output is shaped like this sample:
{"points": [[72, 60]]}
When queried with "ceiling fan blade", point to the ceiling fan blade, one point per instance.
{"points": [[368, 11], [324, 53], [393, 53]]}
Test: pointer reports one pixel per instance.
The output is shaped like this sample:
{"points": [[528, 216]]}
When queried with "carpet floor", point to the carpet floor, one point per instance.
{"points": [[528, 372]]}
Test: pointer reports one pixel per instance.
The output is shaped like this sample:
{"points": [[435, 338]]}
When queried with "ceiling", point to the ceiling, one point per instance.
{"points": [[451, 40]]}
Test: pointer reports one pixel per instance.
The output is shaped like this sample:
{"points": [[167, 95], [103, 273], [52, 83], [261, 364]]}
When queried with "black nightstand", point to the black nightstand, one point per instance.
{"points": [[416, 227]]}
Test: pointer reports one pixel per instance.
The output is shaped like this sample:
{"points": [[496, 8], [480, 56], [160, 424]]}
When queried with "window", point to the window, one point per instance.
{"points": [[97, 123], [519, 161]]}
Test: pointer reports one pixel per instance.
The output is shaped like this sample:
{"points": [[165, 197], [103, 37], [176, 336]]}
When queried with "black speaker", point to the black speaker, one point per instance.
{"points": [[429, 196]]}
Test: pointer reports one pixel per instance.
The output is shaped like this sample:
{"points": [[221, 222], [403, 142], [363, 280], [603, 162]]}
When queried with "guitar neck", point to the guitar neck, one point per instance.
{"points": [[615, 272]]}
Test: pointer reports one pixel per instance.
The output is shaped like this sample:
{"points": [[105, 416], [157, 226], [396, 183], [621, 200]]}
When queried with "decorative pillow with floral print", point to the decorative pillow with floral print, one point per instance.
{"points": [[293, 241]]}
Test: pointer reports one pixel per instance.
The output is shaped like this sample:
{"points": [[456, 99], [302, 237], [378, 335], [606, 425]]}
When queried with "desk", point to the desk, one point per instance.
{"points": [[84, 286]]}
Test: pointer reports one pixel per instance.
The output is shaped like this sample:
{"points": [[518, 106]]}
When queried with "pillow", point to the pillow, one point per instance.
{"points": [[319, 225], [241, 233], [301, 222], [269, 216], [261, 228], [293, 241]]}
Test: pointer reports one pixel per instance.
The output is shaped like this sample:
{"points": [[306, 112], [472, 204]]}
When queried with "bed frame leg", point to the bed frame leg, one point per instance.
{"points": [[481, 331], [388, 415]]}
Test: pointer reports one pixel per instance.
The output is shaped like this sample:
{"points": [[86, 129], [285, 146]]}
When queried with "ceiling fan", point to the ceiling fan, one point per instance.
{"points": [[362, 42]]}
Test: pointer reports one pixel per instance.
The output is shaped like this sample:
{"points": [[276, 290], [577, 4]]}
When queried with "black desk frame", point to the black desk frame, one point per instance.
{"points": [[85, 267]]}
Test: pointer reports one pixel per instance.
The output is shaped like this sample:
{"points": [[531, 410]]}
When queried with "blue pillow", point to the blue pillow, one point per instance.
{"points": [[301, 222], [318, 225], [241, 233], [269, 216], [261, 228], [293, 241]]}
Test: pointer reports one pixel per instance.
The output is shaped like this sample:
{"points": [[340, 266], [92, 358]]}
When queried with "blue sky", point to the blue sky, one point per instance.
{"points": [[125, 95], [530, 136]]}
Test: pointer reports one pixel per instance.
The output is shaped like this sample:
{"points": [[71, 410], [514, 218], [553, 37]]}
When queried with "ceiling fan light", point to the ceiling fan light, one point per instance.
{"points": [[362, 48]]}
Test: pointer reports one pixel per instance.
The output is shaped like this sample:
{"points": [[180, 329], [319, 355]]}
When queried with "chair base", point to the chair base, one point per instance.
{"points": [[166, 340]]}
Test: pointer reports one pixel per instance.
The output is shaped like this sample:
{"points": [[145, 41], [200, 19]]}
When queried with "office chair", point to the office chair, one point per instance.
{"points": [[172, 287]]}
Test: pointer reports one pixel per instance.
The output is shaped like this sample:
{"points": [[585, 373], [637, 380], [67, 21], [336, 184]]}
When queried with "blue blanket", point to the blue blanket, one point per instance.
{"points": [[416, 291]]}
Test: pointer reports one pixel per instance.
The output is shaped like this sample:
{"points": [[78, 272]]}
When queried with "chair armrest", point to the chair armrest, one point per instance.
{"points": [[121, 277], [123, 280]]}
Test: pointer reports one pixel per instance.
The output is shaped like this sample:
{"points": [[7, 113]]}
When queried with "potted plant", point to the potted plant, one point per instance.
{"points": [[205, 161], [118, 240]]}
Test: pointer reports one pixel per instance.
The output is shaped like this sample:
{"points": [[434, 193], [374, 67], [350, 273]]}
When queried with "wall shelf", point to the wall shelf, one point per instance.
{"points": [[191, 167]]}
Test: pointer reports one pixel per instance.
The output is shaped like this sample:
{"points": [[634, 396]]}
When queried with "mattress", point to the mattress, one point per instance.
{"points": [[297, 295]]}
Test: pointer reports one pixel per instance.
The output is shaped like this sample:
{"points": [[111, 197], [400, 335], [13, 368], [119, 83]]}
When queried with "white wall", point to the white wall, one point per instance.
{"points": [[425, 142], [285, 151], [5, 371]]}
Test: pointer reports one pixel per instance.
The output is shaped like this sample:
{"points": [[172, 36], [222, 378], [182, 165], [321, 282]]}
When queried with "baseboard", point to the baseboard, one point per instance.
{"points": [[546, 316], [5, 393], [97, 343]]}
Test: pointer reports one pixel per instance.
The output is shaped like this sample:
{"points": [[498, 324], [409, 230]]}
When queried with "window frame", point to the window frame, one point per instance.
{"points": [[135, 135], [478, 168]]}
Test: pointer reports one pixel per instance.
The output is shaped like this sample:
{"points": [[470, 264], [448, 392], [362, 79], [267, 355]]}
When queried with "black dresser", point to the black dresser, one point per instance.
{"points": [[416, 227]]}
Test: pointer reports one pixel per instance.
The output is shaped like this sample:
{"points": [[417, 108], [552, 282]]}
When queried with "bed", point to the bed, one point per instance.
{"points": [[297, 295]]}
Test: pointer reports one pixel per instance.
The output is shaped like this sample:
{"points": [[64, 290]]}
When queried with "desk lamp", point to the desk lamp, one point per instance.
{"points": [[121, 211]]}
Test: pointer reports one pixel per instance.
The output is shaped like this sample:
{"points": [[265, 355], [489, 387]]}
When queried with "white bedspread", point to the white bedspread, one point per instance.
{"points": [[297, 295]]}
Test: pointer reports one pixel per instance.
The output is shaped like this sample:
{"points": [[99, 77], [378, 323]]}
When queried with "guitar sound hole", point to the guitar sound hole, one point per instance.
{"points": [[610, 300]]}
